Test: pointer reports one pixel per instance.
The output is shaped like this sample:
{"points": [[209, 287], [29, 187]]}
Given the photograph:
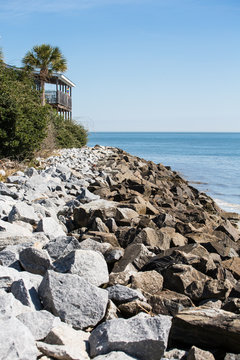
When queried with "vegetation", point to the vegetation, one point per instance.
{"points": [[46, 59], [22, 118], [26, 126]]}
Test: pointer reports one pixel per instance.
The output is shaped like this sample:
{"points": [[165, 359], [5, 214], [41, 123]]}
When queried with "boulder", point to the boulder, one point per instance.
{"points": [[198, 354], [135, 254], [73, 299], [102, 237], [90, 244], [169, 302], [150, 282], [175, 354], [135, 307], [187, 280], [233, 265], [142, 336], [64, 339], [40, 323], [50, 227], [61, 246], [204, 327], [4, 190], [34, 260], [148, 237], [8, 230], [23, 212], [27, 295], [88, 264], [98, 208], [120, 294], [230, 230], [16, 340], [98, 225], [9, 306]]}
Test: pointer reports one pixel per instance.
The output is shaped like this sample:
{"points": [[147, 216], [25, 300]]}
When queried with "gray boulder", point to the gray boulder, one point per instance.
{"points": [[16, 340], [61, 246], [73, 299], [141, 336], [86, 263], [94, 245], [23, 212], [50, 227], [40, 323], [34, 260], [120, 294], [4, 190], [9, 306], [26, 294]]}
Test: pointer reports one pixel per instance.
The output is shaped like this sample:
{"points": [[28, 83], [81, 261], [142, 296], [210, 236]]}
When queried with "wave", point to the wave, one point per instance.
{"points": [[228, 206]]}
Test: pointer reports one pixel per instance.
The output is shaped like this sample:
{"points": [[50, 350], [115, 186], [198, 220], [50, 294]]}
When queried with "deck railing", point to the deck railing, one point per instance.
{"points": [[58, 98]]}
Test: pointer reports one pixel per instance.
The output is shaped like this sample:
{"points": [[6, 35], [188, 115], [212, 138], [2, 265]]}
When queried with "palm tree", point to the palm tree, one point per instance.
{"points": [[46, 59]]}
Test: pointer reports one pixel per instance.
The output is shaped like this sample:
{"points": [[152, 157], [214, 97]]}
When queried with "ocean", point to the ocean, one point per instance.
{"points": [[209, 161]]}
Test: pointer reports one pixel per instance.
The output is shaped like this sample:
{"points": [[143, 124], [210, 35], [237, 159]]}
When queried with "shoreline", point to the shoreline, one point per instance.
{"points": [[122, 255]]}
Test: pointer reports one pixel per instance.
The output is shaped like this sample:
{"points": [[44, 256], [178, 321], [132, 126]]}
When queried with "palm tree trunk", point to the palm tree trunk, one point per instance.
{"points": [[43, 100]]}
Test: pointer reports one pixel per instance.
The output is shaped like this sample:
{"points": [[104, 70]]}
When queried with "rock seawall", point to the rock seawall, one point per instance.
{"points": [[104, 255]]}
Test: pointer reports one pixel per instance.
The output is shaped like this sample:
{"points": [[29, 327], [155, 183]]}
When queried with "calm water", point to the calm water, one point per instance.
{"points": [[213, 159]]}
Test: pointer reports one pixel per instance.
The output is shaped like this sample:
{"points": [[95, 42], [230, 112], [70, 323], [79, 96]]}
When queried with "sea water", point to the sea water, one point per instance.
{"points": [[209, 161]]}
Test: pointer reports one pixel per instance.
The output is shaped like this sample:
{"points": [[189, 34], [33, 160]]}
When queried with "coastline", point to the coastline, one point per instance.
{"points": [[135, 262], [209, 161]]}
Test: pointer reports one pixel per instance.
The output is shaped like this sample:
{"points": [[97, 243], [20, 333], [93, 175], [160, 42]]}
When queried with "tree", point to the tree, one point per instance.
{"points": [[46, 59], [23, 121]]}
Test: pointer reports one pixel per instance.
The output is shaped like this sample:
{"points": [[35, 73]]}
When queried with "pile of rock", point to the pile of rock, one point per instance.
{"points": [[108, 256]]}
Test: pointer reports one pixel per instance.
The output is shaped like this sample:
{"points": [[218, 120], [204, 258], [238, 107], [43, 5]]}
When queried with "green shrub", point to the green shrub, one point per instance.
{"points": [[69, 134], [23, 120]]}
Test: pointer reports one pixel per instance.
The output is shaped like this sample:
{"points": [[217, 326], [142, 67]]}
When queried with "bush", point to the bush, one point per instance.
{"points": [[69, 134], [23, 120]]}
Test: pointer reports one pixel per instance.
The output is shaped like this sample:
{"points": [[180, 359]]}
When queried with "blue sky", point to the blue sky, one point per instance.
{"points": [[139, 65]]}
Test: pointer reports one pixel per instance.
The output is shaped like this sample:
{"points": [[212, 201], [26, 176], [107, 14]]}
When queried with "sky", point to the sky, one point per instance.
{"points": [[138, 65]]}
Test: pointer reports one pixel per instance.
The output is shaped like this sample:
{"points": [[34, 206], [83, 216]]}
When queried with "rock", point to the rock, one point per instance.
{"points": [[113, 255], [40, 323], [115, 355], [86, 196], [4, 190], [34, 260], [133, 308], [230, 230], [23, 212], [28, 297], [9, 306], [126, 214], [232, 305], [230, 356], [197, 354], [61, 246], [73, 299], [141, 336], [122, 278], [147, 237], [8, 230], [175, 354], [169, 302], [50, 228], [120, 294], [135, 254], [206, 326], [98, 208], [75, 342], [90, 244], [111, 312], [102, 237], [88, 264], [186, 280], [16, 341], [150, 282], [98, 225], [233, 265]]}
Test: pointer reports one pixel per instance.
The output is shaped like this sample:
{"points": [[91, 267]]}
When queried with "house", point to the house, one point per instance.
{"points": [[58, 93]]}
